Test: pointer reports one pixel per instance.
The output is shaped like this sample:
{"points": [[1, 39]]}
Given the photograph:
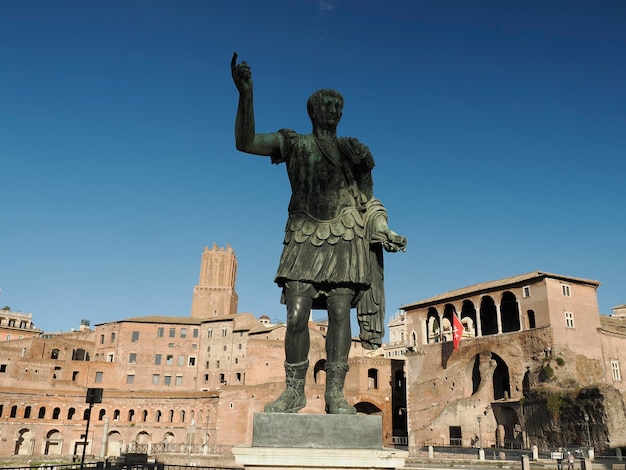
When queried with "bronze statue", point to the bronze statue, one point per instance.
{"points": [[332, 256]]}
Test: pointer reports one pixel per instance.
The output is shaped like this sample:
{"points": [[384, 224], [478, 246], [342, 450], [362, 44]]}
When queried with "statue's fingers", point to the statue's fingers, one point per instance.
{"points": [[233, 62]]}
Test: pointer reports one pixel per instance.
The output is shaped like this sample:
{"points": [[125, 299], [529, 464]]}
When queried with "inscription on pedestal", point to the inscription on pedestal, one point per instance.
{"points": [[317, 431]]}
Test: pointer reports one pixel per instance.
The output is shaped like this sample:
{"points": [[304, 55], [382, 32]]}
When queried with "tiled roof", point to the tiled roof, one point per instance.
{"points": [[497, 285]]}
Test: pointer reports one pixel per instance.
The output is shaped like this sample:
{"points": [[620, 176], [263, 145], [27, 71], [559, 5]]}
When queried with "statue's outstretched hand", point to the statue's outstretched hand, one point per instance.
{"points": [[390, 240], [242, 75]]}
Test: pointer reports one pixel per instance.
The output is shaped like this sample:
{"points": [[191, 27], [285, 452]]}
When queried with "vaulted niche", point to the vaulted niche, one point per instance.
{"points": [[501, 379]]}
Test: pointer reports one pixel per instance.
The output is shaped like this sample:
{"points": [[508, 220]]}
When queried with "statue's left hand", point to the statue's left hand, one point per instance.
{"points": [[391, 241]]}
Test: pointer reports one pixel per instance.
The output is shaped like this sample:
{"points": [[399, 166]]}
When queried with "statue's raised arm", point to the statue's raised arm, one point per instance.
{"points": [[246, 138]]}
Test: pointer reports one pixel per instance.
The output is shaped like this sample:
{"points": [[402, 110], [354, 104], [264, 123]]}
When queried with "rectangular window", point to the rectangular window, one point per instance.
{"points": [[99, 376], [239, 346], [110, 357], [217, 364], [617, 376], [209, 334], [157, 359], [3, 368], [169, 360], [222, 379], [195, 332], [172, 332], [155, 379], [565, 289], [183, 332], [192, 361], [132, 358], [224, 332], [179, 380], [167, 380], [135, 337], [181, 360], [101, 339], [170, 345], [206, 378], [526, 291], [130, 378], [160, 332], [194, 346], [569, 319]]}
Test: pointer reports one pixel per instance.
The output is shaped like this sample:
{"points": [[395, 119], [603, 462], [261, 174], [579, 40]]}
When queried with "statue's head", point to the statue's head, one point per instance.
{"points": [[325, 108]]}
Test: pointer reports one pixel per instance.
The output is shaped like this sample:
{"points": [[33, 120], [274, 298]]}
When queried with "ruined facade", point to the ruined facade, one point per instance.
{"points": [[534, 353]]}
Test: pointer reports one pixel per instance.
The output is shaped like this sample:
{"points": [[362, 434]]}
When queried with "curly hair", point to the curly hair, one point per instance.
{"points": [[316, 98]]}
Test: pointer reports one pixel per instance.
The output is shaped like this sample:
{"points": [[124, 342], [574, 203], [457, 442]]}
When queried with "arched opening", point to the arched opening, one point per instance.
{"points": [[144, 415], [367, 408], [24, 443], [114, 444], [131, 415], [319, 372], [509, 313], [171, 416], [433, 327], [501, 379], [488, 316], [468, 318], [70, 413], [13, 413], [55, 413], [54, 354], [27, 412], [158, 416], [42, 412], [86, 414], [509, 433], [116, 415], [101, 414], [53, 443], [448, 314], [474, 370]]}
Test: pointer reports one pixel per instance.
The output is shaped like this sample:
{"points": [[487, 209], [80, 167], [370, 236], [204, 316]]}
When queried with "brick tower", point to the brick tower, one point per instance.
{"points": [[215, 293]]}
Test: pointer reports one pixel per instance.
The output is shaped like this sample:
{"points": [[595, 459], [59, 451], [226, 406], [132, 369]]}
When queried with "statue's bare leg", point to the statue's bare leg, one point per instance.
{"points": [[338, 341], [297, 342]]}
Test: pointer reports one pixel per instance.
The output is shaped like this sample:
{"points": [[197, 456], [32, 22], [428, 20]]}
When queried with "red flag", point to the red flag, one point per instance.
{"points": [[457, 331]]}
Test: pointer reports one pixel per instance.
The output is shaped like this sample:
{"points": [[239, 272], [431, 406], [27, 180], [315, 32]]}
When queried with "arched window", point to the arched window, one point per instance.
{"points": [[101, 414], [144, 415], [27, 411], [54, 354], [131, 415], [171, 416], [13, 412], [86, 414], [116, 415], [42, 412], [158, 416], [70, 413], [56, 412]]}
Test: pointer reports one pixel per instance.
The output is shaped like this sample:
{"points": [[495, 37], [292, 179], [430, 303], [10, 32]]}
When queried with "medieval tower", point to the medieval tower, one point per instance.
{"points": [[215, 293]]}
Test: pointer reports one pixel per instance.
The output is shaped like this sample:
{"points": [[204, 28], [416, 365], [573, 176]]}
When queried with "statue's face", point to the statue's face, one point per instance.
{"points": [[328, 112]]}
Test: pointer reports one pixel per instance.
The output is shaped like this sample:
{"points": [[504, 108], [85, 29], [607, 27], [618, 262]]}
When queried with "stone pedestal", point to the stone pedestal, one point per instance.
{"points": [[315, 442]]}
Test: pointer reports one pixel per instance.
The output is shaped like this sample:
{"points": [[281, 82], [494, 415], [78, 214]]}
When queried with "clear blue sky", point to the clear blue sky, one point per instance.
{"points": [[498, 130]]}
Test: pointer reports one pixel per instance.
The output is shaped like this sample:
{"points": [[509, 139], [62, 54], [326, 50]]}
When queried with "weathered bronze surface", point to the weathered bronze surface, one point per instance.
{"points": [[334, 239]]}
